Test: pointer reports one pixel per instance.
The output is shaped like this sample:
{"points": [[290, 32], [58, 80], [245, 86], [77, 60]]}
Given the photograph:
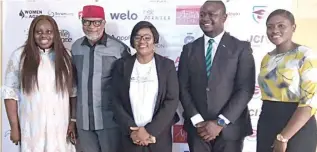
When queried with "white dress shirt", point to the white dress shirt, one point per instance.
{"points": [[143, 91], [198, 118]]}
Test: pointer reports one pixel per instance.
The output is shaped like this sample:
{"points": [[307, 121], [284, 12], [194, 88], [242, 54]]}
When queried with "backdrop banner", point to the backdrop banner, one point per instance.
{"points": [[176, 21]]}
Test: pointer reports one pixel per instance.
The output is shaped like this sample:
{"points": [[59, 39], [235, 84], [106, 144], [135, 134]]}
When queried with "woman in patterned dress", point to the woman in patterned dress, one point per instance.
{"points": [[288, 82], [37, 87]]}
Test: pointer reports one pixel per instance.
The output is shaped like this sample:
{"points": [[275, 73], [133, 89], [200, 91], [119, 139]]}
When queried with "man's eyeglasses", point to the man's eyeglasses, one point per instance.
{"points": [[96, 23], [146, 38]]}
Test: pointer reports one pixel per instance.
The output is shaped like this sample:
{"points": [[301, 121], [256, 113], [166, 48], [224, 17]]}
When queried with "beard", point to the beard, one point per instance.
{"points": [[93, 37]]}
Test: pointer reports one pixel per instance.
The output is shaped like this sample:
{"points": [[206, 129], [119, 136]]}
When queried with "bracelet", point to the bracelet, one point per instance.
{"points": [[280, 138], [73, 120], [152, 139]]}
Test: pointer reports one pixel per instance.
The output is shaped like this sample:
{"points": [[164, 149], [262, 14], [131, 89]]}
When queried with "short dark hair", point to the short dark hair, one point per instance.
{"points": [[221, 3], [284, 13], [141, 25]]}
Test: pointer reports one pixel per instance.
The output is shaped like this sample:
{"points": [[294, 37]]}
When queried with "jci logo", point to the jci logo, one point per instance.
{"points": [[258, 13], [257, 40]]}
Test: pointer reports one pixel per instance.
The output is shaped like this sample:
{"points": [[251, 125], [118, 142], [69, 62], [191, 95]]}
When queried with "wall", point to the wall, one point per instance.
{"points": [[305, 12]]}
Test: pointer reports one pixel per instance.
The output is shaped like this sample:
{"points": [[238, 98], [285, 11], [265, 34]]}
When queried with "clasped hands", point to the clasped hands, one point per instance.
{"points": [[141, 137], [208, 130]]}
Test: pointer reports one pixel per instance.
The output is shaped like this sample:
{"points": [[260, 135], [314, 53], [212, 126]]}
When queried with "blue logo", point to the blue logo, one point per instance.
{"points": [[189, 38], [124, 16]]}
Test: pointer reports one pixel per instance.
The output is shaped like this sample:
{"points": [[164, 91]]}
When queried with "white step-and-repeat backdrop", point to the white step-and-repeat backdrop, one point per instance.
{"points": [[176, 20]]}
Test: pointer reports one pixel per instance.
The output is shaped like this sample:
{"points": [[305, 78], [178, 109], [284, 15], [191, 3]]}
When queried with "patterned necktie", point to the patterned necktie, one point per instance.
{"points": [[209, 57]]}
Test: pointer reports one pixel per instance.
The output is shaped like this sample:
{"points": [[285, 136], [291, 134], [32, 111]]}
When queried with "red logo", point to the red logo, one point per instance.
{"points": [[179, 134], [187, 15]]}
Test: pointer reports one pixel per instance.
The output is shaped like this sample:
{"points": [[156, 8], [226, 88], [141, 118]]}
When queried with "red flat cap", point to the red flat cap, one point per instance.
{"points": [[93, 11]]}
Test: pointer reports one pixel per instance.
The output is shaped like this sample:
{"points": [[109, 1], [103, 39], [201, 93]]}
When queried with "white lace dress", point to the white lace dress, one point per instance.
{"points": [[43, 115]]}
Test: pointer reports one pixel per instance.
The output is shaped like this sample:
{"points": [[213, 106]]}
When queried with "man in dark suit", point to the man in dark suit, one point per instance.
{"points": [[217, 80]]}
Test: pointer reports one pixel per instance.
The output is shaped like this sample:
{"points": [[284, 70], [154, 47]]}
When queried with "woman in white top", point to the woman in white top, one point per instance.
{"points": [[36, 91], [146, 94]]}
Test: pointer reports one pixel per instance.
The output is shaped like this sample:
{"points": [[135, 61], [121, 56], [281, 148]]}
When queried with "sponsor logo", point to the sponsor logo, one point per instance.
{"points": [[257, 92], [233, 14], [258, 13], [30, 13], [59, 14], [122, 38], [255, 113], [149, 15], [179, 134], [65, 36], [187, 15], [124, 16], [258, 40], [161, 43], [189, 38]]}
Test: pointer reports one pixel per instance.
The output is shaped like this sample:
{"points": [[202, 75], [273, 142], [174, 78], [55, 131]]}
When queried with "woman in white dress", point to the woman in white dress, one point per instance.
{"points": [[36, 91]]}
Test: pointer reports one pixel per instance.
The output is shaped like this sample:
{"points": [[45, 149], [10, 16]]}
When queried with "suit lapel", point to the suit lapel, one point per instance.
{"points": [[160, 74], [200, 54], [127, 71], [219, 60], [128, 67]]}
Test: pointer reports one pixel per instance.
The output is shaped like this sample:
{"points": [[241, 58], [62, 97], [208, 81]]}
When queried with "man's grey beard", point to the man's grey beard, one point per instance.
{"points": [[93, 37]]}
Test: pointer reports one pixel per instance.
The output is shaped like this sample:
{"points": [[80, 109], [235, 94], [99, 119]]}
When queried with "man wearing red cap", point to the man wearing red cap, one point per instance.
{"points": [[93, 56]]}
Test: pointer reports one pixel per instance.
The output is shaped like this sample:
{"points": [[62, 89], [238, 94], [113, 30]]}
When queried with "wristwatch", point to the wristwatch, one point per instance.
{"points": [[221, 122], [280, 138]]}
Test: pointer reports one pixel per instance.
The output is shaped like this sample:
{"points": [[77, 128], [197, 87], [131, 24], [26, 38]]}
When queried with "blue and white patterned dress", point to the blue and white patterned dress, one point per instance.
{"points": [[44, 114]]}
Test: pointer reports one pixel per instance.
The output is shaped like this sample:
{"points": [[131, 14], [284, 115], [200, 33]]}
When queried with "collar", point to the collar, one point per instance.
{"points": [[101, 41], [217, 38], [45, 51]]}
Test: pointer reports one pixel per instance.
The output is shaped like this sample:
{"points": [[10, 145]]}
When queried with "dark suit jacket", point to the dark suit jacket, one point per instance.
{"points": [[165, 109], [228, 90]]}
